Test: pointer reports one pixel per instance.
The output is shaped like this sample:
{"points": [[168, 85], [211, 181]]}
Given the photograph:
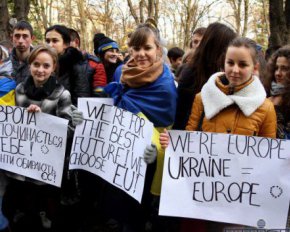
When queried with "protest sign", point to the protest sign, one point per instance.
{"points": [[110, 143], [32, 144], [228, 178]]}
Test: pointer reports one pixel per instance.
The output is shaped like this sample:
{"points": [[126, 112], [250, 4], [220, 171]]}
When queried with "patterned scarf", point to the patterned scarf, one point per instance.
{"points": [[277, 89], [136, 77]]}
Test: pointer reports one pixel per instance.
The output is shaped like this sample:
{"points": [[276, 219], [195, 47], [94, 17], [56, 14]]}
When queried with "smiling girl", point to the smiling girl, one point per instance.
{"points": [[38, 202], [145, 87], [233, 101]]}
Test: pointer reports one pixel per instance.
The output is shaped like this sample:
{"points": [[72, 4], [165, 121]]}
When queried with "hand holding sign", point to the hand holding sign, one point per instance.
{"points": [[77, 116], [33, 108], [110, 143], [164, 139], [150, 153]]}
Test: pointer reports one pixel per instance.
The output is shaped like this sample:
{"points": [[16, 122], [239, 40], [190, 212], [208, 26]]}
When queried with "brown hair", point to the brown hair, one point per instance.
{"points": [[271, 66], [208, 57], [143, 31], [43, 48], [247, 43]]}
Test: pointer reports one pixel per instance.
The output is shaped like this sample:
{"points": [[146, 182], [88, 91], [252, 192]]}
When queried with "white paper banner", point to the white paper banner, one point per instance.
{"points": [[110, 143], [227, 178], [32, 144]]}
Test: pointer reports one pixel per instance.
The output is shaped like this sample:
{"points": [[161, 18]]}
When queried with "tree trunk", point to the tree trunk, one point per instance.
{"points": [[246, 17], [4, 21], [279, 33], [133, 12], [287, 18], [21, 9], [150, 8], [141, 10], [83, 24], [156, 15]]}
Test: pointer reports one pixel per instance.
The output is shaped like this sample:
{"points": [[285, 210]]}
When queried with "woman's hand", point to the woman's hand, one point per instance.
{"points": [[77, 116], [164, 139], [33, 108]]}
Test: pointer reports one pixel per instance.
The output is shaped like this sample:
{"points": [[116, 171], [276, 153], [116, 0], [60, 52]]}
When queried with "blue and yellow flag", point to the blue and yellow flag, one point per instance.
{"points": [[7, 91], [157, 100]]}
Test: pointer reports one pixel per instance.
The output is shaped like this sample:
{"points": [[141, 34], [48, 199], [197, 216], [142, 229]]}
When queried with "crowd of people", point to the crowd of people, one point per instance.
{"points": [[222, 83]]}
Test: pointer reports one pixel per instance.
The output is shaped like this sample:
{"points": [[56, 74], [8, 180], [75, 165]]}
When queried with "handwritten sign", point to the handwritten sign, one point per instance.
{"points": [[110, 143], [32, 144], [227, 178]]}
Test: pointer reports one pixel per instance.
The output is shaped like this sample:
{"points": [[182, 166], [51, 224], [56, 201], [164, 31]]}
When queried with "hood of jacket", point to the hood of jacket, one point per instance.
{"points": [[248, 97]]}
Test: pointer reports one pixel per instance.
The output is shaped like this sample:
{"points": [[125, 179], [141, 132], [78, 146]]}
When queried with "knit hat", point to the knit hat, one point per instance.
{"points": [[103, 43]]}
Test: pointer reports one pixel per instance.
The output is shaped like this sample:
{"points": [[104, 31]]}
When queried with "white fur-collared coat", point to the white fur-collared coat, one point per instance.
{"points": [[244, 111]]}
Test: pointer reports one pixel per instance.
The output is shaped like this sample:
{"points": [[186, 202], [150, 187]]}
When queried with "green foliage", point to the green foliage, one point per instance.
{"points": [[39, 37]]}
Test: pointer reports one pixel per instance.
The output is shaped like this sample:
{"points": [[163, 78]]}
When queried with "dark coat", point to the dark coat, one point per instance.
{"points": [[72, 74], [20, 69]]}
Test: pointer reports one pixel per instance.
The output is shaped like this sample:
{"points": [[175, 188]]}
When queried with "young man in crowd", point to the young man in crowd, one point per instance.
{"points": [[196, 37], [22, 45], [175, 55]]}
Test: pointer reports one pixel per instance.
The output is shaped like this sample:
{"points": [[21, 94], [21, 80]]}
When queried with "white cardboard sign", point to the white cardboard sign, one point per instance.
{"points": [[32, 144], [110, 143], [227, 178]]}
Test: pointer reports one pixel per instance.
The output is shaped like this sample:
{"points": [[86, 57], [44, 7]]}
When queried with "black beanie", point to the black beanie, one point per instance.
{"points": [[103, 43]]}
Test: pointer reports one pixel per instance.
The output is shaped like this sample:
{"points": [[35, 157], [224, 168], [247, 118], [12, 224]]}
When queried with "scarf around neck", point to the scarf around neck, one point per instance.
{"points": [[277, 89], [136, 77], [39, 93], [248, 99]]}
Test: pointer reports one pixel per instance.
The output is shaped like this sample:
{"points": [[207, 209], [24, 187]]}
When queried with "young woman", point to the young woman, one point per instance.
{"points": [[208, 59], [108, 51], [31, 204], [278, 83], [233, 101], [71, 72], [145, 87]]}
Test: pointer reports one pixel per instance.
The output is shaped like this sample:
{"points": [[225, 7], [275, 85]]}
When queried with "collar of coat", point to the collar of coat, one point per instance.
{"points": [[248, 99]]}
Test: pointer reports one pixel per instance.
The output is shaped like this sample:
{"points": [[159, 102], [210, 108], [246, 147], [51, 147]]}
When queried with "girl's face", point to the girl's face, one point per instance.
{"points": [[111, 55], [146, 54], [55, 40], [282, 69], [239, 65], [41, 68]]}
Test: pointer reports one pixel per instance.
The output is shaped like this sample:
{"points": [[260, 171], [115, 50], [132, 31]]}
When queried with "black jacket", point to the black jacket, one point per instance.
{"points": [[72, 74], [20, 70]]}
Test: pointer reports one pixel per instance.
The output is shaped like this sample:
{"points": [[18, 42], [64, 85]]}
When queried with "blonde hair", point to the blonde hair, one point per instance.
{"points": [[43, 48]]}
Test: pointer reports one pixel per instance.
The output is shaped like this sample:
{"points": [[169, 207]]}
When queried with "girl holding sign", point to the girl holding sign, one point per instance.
{"points": [[146, 87], [233, 101], [29, 204]]}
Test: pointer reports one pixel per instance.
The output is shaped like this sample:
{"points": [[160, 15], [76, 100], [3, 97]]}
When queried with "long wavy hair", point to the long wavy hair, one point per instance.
{"points": [[209, 56], [271, 68]]}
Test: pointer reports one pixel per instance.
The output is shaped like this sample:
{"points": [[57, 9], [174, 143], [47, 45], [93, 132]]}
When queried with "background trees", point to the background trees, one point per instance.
{"points": [[11, 11], [279, 14], [176, 18]]}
